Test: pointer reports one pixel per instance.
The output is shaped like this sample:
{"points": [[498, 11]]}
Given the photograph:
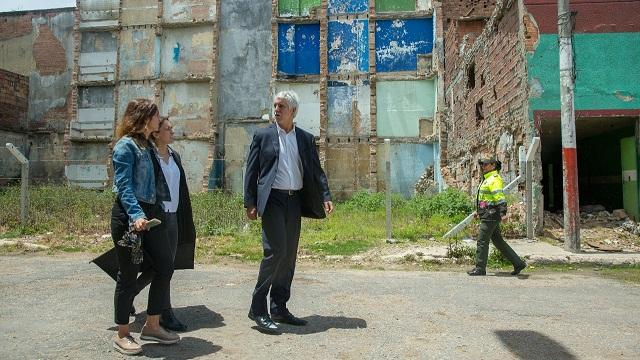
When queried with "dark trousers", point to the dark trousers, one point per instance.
{"points": [[280, 235], [145, 278], [490, 231], [156, 251]]}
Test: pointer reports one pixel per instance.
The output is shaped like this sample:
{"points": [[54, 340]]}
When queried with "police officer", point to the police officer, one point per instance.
{"points": [[491, 208]]}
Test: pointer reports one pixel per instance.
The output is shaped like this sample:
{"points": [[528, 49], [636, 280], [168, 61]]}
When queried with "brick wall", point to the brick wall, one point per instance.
{"points": [[14, 101], [456, 9], [486, 99]]}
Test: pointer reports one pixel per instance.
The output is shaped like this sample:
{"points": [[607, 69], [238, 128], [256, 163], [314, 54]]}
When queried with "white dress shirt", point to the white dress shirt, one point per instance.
{"points": [[172, 176], [289, 174]]}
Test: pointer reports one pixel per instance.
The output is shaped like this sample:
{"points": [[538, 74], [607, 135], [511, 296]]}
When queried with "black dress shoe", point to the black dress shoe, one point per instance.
{"points": [[288, 318], [265, 324], [517, 269], [477, 272], [169, 321]]}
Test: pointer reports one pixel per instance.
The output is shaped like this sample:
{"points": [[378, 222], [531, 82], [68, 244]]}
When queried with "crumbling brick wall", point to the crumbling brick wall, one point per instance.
{"points": [[485, 97], [14, 101]]}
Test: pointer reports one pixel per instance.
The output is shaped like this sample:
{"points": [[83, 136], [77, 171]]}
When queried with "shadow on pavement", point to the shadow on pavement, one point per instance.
{"points": [[508, 274], [187, 348], [195, 317], [527, 344], [319, 323]]}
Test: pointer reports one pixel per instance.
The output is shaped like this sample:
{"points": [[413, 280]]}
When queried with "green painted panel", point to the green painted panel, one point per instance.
{"points": [[395, 5], [401, 104], [607, 72], [296, 7], [629, 176]]}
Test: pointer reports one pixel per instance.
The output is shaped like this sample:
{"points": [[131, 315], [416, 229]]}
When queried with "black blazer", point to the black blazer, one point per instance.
{"points": [[262, 166]]}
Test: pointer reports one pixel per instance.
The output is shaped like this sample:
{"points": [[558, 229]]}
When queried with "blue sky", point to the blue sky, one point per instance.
{"points": [[19, 5]]}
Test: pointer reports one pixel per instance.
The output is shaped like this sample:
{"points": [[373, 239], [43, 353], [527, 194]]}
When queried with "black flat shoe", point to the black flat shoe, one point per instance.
{"points": [[132, 312], [288, 318], [265, 324], [169, 321], [517, 269], [477, 272]]}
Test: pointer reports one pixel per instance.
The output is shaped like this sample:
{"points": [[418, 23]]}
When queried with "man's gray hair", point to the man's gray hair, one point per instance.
{"points": [[290, 97]]}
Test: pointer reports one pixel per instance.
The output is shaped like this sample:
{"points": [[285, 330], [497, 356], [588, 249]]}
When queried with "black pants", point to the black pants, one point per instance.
{"points": [[145, 278], [490, 232], [280, 235], [156, 251]]}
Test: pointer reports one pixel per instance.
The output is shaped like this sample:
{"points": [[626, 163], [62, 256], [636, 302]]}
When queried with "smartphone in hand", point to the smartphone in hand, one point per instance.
{"points": [[151, 223]]}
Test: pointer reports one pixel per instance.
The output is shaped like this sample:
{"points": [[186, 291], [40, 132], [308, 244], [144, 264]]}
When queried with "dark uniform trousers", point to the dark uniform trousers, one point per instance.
{"points": [[490, 231], [280, 234]]}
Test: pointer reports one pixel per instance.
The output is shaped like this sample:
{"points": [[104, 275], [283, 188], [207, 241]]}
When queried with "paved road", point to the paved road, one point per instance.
{"points": [[61, 307]]}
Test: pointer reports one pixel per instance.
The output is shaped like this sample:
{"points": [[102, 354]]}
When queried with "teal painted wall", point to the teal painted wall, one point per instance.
{"points": [[608, 72], [401, 104]]}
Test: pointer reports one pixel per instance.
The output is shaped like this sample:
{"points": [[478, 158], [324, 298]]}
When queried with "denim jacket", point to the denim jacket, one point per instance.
{"points": [[134, 177]]}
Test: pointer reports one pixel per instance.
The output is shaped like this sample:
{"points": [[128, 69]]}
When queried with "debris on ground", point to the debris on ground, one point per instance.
{"points": [[599, 229]]}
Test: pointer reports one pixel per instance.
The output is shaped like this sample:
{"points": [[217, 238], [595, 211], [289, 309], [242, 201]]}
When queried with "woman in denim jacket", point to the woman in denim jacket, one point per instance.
{"points": [[139, 199]]}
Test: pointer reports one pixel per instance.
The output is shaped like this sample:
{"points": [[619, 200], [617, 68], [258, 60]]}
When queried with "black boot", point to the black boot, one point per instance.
{"points": [[169, 321]]}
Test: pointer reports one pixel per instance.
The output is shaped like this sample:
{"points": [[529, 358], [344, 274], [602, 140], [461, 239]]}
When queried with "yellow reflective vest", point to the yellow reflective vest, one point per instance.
{"points": [[490, 201]]}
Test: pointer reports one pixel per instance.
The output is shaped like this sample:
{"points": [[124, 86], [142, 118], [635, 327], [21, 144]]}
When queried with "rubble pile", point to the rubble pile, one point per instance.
{"points": [[426, 185], [599, 229]]}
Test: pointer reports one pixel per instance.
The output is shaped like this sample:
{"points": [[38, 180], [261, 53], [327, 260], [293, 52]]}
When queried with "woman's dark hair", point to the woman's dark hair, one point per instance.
{"points": [[135, 118]]}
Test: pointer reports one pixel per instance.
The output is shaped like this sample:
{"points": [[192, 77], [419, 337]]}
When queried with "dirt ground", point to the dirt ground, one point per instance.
{"points": [[60, 307]]}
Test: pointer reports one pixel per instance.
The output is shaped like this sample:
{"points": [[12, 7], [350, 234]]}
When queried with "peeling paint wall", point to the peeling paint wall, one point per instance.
{"points": [[138, 54], [186, 52], [188, 10], [299, 49], [96, 113], [399, 42], [98, 13], [236, 149], [39, 44], [130, 91], [188, 105], [97, 56], [344, 165], [348, 109], [195, 161], [347, 6], [395, 5], [401, 104], [408, 163], [139, 12], [348, 44]]}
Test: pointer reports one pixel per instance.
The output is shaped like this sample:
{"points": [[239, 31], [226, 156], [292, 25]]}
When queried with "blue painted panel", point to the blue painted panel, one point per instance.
{"points": [[340, 100], [299, 48], [348, 6], [408, 163], [348, 46], [398, 43]]}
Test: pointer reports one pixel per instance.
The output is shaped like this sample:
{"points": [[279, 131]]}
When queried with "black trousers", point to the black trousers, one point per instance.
{"points": [[156, 250], [280, 236], [145, 278]]}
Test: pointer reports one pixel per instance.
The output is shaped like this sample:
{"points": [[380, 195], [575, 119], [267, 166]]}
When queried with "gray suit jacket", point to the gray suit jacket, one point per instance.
{"points": [[262, 166]]}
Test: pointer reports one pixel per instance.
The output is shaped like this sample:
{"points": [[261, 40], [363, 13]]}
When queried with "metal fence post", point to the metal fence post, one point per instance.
{"points": [[387, 180], [24, 185]]}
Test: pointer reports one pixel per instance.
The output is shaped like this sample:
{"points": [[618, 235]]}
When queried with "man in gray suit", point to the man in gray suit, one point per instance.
{"points": [[283, 182]]}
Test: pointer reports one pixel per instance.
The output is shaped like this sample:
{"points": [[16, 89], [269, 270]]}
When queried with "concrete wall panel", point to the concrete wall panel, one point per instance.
{"points": [[408, 163], [347, 168], [96, 113], [189, 10], [336, 7], [245, 59], [16, 55], [395, 5], [99, 13], [297, 7], [349, 109], [236, 148], [348, 46], [188, 105], [194, 155], [399, 42], [138, 53], [86, 165], [139, 12], [187, 52], [97, 56], [401, 104], [299, 48], [10, 168], [308, 117], [128, 92]]}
